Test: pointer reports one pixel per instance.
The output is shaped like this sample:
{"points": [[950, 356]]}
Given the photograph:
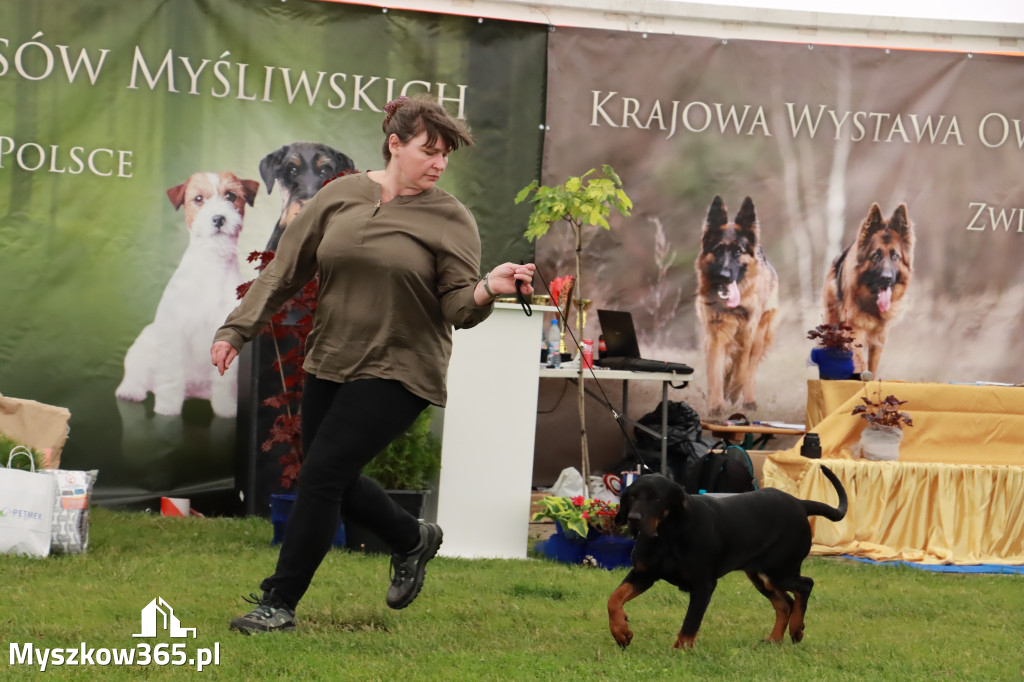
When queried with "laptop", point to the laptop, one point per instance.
{"points": [[622, 350]]}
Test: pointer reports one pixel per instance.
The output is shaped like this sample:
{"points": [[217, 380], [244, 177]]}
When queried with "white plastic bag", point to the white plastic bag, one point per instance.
{"points": [[880, 443], [26, 508], [568, 484]]}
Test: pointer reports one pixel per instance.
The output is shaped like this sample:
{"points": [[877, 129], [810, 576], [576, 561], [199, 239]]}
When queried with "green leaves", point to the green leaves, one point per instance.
{"points": [[566, 511], [411, 461], [578, 515], [7, 444], [579, 201]]}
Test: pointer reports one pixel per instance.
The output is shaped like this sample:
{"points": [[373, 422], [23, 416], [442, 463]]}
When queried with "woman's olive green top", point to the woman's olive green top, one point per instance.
{"points": [[393, 279]]}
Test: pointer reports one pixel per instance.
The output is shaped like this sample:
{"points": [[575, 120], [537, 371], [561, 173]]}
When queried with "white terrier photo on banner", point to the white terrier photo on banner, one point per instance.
{"points": [[171, 356]]}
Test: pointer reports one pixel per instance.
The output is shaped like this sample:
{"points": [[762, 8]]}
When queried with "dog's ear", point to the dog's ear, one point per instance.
{"points": [[625, 502], [747, 217], [872, 223], [716, 213], [747, 221], [177, 195], [716, 219], [252, 188], [269, 164], [342, 162], [676, 499], [900, 222]]}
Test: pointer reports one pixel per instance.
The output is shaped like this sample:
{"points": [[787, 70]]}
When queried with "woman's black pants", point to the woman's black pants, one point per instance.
{"points": [[343, 427]]}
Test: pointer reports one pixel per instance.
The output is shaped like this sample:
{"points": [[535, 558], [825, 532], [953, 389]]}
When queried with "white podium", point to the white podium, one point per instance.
{"points": [[487, 444]]}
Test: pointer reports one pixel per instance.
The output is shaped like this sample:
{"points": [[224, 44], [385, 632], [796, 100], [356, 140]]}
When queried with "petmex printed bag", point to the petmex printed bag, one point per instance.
{"points": [[26, 508]]}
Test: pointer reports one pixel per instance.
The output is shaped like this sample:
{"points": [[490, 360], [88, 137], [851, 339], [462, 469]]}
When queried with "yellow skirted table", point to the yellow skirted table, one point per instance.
{"points": [[956, 495]]}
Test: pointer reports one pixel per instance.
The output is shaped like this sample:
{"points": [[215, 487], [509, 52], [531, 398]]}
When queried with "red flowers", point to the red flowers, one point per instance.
{"points": [[578, 514], [347, 171], [287, 426], [561, 288]]}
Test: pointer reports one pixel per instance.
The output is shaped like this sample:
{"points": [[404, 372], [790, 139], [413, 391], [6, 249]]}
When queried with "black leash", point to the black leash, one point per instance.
{"points": [[527, 308], [607, 402]]}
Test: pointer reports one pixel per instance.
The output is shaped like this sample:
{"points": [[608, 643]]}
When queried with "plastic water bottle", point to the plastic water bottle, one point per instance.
{"points": [[554, 345]]}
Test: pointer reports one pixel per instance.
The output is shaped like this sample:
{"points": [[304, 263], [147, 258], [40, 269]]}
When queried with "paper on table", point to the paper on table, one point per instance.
{"points": [[783, 425]]}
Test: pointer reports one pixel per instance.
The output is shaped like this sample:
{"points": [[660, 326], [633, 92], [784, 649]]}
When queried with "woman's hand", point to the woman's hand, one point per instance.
{"points": [[221, 354], [502, 281]]}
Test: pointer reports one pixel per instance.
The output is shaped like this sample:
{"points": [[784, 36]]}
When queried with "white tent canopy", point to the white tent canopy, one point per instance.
{"points": [[979, 26]]}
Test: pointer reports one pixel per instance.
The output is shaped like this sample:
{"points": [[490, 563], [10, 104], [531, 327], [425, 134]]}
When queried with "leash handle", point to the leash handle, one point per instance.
{"points": [[527, 308]]}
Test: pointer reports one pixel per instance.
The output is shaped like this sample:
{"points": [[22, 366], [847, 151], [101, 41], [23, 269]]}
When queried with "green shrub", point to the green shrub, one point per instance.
{"points": [[411, 461], [7, 444]]}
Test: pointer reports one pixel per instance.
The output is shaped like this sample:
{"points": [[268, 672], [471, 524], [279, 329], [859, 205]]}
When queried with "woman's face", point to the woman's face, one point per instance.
{"points": [[419, 164]]}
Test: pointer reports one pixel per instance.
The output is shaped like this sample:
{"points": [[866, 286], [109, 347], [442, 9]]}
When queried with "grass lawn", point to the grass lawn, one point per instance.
{"points": [[487, 619]]}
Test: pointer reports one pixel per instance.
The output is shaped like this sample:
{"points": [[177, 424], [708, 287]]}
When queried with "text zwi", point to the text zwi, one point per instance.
{"points": [[988, 217]]}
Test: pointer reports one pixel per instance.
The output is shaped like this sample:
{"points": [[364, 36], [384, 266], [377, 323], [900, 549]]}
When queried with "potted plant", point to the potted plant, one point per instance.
{"points": [[834, 353], [585, 532], [880, 441], [579, 201], [410, 462]]}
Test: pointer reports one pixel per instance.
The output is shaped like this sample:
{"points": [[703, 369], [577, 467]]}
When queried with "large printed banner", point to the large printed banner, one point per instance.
{"points": [[778, 186], [147, 146]]}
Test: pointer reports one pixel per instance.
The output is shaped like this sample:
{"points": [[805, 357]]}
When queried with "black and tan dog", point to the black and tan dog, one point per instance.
{"points": [[737, 301], [691, 541], [867, 282], [300, 169]]}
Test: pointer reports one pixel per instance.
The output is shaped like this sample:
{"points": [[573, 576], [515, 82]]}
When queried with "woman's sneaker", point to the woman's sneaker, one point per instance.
{"points": [[408, 570], [268, 616]]}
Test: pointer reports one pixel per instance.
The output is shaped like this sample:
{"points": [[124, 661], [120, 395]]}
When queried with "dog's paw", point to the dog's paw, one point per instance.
{"points": [[225, 410], [131, 394], [684, 642], [168, 408], [621, 632]]}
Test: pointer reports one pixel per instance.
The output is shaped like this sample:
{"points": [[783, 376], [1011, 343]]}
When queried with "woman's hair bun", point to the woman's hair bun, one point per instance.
{"points": [[390, 108]]}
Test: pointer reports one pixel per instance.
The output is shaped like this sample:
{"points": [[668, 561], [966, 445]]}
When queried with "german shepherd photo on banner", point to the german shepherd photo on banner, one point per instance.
{"points": [[868, 280], [737, 300]]}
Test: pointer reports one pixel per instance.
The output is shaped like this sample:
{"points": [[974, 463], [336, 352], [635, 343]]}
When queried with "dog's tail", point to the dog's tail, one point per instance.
{"points": [[814, 508]]}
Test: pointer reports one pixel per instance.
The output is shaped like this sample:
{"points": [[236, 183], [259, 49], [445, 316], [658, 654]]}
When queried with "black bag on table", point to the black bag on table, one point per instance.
{"points": [[685, 445], [726, 468]]}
